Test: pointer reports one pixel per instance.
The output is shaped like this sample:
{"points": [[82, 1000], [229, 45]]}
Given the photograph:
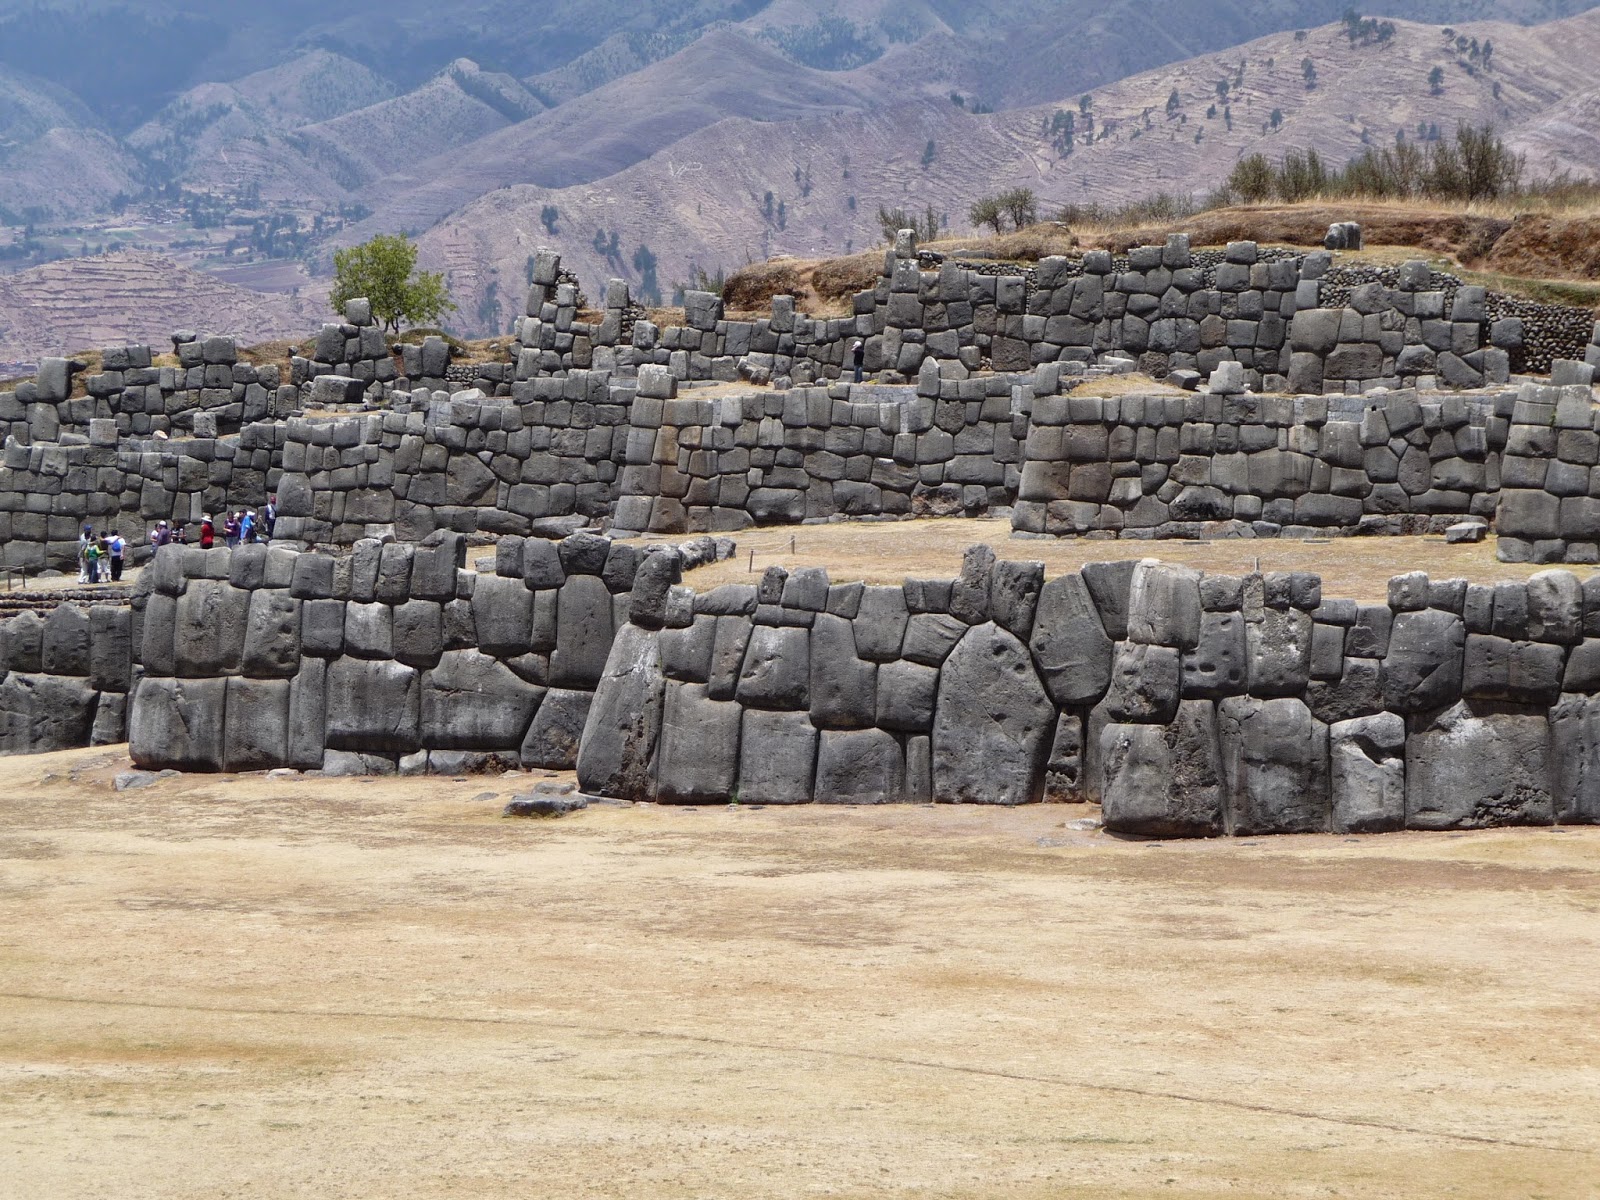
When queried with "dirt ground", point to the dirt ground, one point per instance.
{"points": [[246, 987], [890, 551]]}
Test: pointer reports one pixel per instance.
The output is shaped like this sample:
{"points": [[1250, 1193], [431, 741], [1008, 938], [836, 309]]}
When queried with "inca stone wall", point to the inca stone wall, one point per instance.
{"points": [[209, 392], [1213, 464], [1188, 705], [393, 657], [1163, 306], [50, 490], [65, 678], [1549, 508]]}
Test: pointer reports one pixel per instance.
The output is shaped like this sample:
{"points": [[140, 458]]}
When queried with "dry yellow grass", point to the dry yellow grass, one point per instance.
{"points": [[890, 551], [219, 986]]}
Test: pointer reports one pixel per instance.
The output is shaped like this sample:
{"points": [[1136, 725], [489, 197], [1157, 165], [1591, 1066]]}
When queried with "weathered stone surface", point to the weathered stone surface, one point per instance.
{"points": [[1014, 595], [1367, 773], [502, 613], [308, 715], [257, 724], [993, 724], [777, 757], [1064, 770], [1476, 764], [473, 702], [373, 705], [271, 635], [698, 757], [859, 766], [1422, 669], [1279, 648], [1275, 764], [1145, 684], [844, 688], [557, 728], [618, 751], [209, 632], [584, 631], [177, 723], [1070, 645], [907, 696], [777, 668], [1164, 780], [1218, 666], [880, 624], [931, 636], [1575, 760], [1164, 605], [41, 713], [686, 653]]}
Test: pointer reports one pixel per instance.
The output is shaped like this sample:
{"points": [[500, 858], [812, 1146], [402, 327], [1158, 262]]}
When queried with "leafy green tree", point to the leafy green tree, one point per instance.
{"points": [[986, 211], [1436, 81], [1252, 179], [384, 271], [1021, 205]]}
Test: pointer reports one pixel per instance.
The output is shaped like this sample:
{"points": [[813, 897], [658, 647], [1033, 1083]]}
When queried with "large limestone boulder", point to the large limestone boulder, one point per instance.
{"points": [[1367, 776], [473, 702], [1477, 764], [993, 724], [1275, 763], [1070, 645], [618, 751], [1164, 780]]}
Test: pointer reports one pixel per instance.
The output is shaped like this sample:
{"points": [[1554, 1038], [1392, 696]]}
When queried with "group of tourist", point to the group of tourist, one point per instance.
{"points": [[100, 556], [238, 528]]}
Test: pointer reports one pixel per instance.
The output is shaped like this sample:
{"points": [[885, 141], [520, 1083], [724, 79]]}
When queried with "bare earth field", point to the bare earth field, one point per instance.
{"points": [[240, 987], [890, 551]]}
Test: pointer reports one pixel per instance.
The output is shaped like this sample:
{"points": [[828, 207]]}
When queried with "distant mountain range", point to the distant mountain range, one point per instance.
{"points": [[651, 140]]}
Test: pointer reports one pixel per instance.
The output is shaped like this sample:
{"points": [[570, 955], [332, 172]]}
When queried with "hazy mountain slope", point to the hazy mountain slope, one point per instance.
{"points": [[199, 125], [723, 74], [112, 299], [715, 214], [454, 109]]}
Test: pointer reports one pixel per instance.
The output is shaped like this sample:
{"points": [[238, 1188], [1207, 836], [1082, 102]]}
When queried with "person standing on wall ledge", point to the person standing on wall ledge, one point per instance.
{"points": [[85, 540], [858, 356], [118, 549]]}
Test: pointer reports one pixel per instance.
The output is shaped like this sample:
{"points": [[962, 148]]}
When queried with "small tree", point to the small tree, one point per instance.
{"points": [[1253, 179], [1021, 205], [1436, 81], [383, 271], [1308, 71], [929, 153], [548, 215], [986, 211]]}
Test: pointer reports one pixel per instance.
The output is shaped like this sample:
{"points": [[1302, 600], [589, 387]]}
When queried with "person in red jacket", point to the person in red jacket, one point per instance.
{"points": [[208, 533]]}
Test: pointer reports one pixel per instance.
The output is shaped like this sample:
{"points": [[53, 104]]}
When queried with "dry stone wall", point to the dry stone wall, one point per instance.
{"points": [[65, 677], [50, 490], [394, 657], [1270, 312], [1189, 705], [1218, 464]]}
